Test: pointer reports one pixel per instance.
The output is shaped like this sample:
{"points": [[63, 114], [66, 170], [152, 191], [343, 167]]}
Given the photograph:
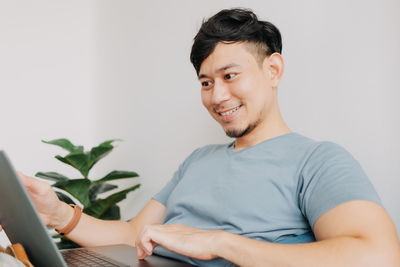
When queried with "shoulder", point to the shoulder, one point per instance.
{"points": [[324, 152], [331, 176], [329, 147], [205, 152], [316, 146], [208, 150], [308, 151], [329, 159]]}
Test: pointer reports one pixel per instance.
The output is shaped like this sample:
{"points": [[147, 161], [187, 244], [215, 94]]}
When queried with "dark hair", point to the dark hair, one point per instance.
{"points": [[234, 25]]}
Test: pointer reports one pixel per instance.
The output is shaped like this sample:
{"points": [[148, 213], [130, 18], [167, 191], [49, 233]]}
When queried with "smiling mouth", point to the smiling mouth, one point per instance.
{"points": [[229, 112]]}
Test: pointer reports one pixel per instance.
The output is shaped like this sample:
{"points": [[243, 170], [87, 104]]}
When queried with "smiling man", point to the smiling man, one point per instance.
{"points": [[272, 197], [238, 93]]}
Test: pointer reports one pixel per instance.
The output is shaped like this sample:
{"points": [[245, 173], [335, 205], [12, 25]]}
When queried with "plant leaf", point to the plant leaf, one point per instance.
{"points": [[66, 243], [116, 175], [63, 197], [66, 144], [78, 188], [52, 176], [98, 152], [113, 213], [100, 206], [96, 189], [77, 160], [56, 236]]}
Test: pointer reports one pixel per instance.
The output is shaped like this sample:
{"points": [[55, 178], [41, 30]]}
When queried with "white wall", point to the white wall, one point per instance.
{"points": [[120, 69], [46, 74]]}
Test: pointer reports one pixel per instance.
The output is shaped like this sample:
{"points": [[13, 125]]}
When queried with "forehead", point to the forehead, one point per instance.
{"points": [[227, 54]]}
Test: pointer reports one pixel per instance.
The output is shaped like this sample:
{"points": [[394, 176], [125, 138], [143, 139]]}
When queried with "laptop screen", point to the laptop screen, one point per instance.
{"points": [[21, 221]]}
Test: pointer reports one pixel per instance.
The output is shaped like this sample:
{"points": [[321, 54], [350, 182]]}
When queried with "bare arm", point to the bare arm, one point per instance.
{"points": [[357, 233], [89, 231]]}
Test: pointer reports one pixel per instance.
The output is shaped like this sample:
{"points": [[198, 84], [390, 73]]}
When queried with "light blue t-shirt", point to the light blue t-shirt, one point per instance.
{"points": [[273, 191]]}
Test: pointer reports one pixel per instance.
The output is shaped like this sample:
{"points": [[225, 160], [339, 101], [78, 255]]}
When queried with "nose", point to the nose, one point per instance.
{"points": [[220, 92]]}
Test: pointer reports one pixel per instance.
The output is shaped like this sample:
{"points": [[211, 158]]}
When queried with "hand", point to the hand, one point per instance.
{"points": [[181, 239], [53, 212]]}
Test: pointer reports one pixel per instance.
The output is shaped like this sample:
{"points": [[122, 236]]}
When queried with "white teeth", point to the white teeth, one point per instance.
{"points": [[229, 112]]}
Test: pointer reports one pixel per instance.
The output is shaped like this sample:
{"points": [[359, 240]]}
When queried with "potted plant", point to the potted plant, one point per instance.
{"points": [[86, 190]]}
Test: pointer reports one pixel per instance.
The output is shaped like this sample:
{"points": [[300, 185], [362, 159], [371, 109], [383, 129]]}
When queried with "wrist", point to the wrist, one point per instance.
{"points": [[223, 244], [73, 223], [64, 216], [218, 242]]}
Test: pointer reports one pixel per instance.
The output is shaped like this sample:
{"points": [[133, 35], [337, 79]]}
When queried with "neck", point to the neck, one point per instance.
{"points": [[272, 126]]}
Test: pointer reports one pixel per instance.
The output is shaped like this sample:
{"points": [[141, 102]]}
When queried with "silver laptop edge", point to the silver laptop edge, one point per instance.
{"points": [[22, 224], [16, 204]]}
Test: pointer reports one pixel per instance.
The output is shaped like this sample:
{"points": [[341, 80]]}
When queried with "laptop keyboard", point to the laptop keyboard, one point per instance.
{"points": [[85, 257]]}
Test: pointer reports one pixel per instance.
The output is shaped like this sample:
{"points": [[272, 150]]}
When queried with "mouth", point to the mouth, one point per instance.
{"points": [[228, 115], [228, 112]]}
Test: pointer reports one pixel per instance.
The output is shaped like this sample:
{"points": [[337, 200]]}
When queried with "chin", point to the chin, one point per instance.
{"points": [[236, 133]]}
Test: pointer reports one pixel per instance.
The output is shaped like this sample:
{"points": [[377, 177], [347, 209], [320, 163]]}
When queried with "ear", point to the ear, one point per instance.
{"points": [[275, 66]]}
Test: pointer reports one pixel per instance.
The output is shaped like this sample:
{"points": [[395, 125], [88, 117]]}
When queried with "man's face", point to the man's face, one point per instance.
{"points": [[236, 88]]}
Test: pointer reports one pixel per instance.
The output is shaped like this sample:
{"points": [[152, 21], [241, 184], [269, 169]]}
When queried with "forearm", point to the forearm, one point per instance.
{"points": [[91, 231], [340, 251]]}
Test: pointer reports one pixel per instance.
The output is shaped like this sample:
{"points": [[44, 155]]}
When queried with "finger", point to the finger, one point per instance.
{"points": [[145, 248], [31, 183], [140, 253], [26, 180], [149, 248]]}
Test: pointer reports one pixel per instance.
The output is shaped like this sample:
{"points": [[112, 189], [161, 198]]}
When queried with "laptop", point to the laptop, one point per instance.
{"points": [[22, 224]]}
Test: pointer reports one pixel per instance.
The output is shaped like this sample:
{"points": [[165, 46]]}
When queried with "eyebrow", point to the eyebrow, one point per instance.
{"points": [[223, 68]]}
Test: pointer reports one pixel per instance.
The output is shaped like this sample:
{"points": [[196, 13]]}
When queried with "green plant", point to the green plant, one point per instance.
{"points": [[85, 190]]}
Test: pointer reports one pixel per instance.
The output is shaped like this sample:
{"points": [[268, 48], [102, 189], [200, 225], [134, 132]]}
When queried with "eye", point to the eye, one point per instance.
{"points": [[205, 83], [229, 76]]}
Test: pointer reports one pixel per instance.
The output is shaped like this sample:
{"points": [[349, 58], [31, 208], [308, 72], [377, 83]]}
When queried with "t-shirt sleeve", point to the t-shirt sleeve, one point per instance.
{"points": [[164, 194], [330, 177]]}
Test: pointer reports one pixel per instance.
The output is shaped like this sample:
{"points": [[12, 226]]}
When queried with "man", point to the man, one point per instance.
{"points": [[270, 198]]}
